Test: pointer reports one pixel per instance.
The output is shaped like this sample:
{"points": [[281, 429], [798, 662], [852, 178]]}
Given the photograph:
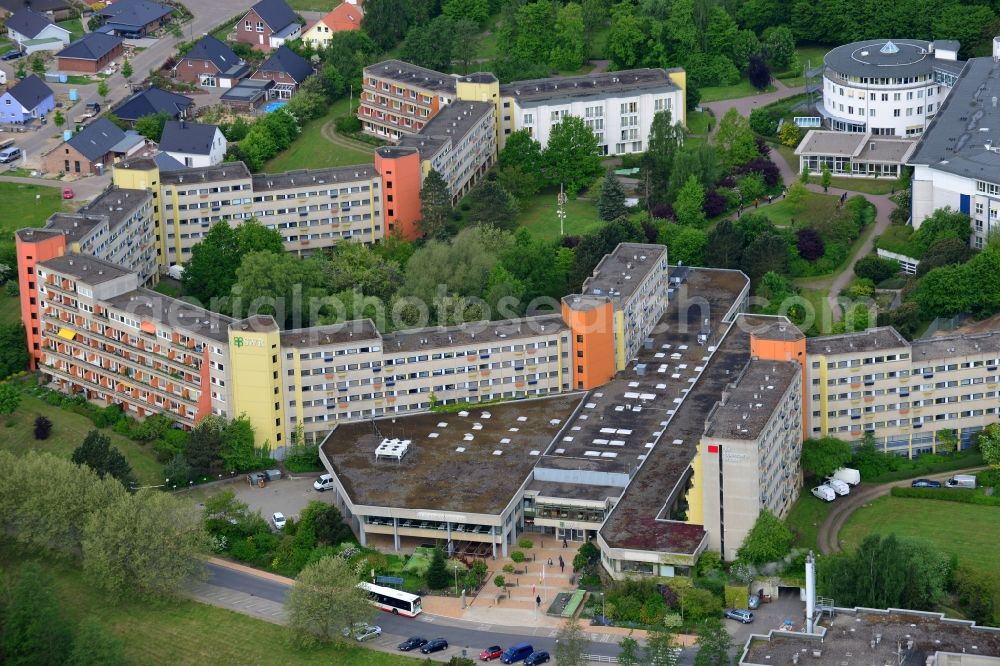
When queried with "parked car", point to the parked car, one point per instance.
{"points": [[962, 481], [925, 483], [11, 154], [518, 652], [847, 475], [435, 645], [94, 107], [68, 193], [838, 486], [324, 482], [536, 658], [362, 631], [740, 615], [825, 493], [412, 643], [753, 602], [279, 520], [13, 54], [491, 653]]}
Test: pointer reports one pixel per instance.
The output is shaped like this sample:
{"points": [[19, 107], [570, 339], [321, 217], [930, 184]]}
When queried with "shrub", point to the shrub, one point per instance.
{"points": [[737, 597], [809, 244], [715, 204], [876, 268], [11, 289], [508, 568], [517, 556], [107, 417], [177, 471], [762, 121], [347, 124], [43, 427], [963, 496], [526, 544]]}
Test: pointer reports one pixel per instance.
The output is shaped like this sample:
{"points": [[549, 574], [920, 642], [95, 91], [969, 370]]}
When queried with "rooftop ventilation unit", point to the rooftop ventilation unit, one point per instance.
{"points": [[393, 449]]}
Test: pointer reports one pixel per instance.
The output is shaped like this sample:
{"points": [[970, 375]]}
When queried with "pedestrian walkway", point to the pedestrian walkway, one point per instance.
{"points": [[240, 602]]}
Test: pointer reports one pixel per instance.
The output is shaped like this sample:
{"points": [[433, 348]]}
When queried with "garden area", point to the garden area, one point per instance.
{"points": [[33, 203], [314, 148]]}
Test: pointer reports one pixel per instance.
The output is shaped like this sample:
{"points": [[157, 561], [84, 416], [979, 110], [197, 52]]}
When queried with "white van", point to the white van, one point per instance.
{"points": [[9, 154], [825, 493], [176, 271], [851, 477], [324, 482], [962, 481], [838, 486]]}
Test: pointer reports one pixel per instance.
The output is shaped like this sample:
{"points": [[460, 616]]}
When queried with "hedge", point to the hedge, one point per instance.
{"points": [[948, 495]]}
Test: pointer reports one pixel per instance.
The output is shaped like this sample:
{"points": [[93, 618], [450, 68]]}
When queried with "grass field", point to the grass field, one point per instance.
{"points": [[699, 122], [538, 215], [969, 532], [311, 150], [811, 56], [74, 26], [312, 5], [741, 89], [10, 309], [814, 207], [807, 514], [187, 632], [68, 431], [25, 206]]}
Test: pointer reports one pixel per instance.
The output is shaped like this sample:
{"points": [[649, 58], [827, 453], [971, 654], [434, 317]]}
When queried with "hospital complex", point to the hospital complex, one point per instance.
{"points": [[650, 411]]}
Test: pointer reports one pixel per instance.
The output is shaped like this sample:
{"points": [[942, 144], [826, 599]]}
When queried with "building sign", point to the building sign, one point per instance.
{"points": [[239, 342], [730, 457]]}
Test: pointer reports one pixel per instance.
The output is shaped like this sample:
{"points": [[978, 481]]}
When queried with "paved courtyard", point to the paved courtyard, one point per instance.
{"points": [[289, 495]]}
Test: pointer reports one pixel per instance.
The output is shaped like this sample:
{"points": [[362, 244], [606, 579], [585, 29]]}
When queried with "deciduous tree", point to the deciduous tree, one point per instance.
{"points": [[571, 157], [211, 271], [779, 46], [759, 72], [735, 141], [472, 10], [661, 647], [630, 653], [689, 205], [571, 644], [822, 457], [326, 602], [489, 203], [10, 396], [97, 453], [768, 541], [989, 444], [568, 47], [35, 630], [714, 644], [665, 139], [151, 126]]}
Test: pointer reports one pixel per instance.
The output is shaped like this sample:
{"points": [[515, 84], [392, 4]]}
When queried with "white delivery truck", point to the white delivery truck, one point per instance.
{"points": [[176, 271], [825, 493], [962, 481], [838, 486], [851, 477]]}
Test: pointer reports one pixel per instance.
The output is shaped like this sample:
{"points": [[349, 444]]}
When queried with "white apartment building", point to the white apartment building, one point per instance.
{"points": [[888, 87], [957, 162], [617, 106]]}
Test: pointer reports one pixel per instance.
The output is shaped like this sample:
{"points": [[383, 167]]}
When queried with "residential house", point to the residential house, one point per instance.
{"points": [[193, 144], [134, 18], [287, 69], [90, 54], [96, 147], [210, 64], [248, 95], [150, 102], [33, 31], [58, 10], [344, 17], [30, 98], [268, 25]]}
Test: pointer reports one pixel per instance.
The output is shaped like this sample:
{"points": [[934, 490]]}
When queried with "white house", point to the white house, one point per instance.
{"points": [[33, 31], [887, 87], [957, 162], [618, 106], [193, 144]]}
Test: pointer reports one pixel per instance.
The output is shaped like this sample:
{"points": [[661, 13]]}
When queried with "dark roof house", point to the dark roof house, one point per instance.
{"points": [[30, 92], [191, 138], [92, 46], [134, 15], [28, 23], [284, 60], [276, 13], [97, 139], [211, 49], [152, 101], [36, 5]]}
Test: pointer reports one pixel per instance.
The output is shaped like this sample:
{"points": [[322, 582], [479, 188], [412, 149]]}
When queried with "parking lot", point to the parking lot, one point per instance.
{"points": [[289, 495], [767, 617]]}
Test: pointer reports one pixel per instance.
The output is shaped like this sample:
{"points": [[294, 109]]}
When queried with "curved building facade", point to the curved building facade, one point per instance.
{"points": [[887, 87]]}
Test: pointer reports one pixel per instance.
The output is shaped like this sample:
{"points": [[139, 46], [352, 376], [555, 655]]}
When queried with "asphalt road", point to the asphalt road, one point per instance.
{"points": [[458, 633], [844, 507]]}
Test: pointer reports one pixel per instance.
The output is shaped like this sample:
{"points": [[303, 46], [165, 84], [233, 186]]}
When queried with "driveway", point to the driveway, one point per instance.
{"points": [[767, 617], [289, 495], [829, 531]]}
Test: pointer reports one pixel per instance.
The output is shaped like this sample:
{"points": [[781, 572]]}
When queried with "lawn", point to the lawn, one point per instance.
{"points": [[74, 26], [188, 632], [805, 518], [313, 5], [23, 205], [822, 323], [814, 207], [68, 431], [741, 89], [312, 150], [10, 309], [700, 122], [811, 56], [538, 215], [969, 532], [80, 80]]}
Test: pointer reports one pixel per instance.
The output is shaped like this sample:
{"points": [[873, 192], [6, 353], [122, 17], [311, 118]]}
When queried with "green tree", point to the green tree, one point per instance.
{"points": [[665, 138], [489, 203], [327, 523], [326, 602], [20, 72], [465, 44], [826, 179], [145, 545], [779, 45], [151, 125], [532, 39], [10, 396], [58, 118], [34, 629], [744, 46], [257, 147], [714, 644], [989, 444], [661, 646], [373, 271], [238, 451], [522, 150], [210, 274], [690, 202], [94, 645], [767, 252], [682, 38], [126, 69], [431, 45], [437, 573], [625, 40], [571, 644], [975, 598], [768, 541], [102, 89], [204, 448], [568, 47], [611, 202], [721, 33], [943, 252], [38, 65], [97, 453], [472, 10], [724, 248], [386, 21], [571, 157], [686, 244], [822, 457], [735, 141], [435, 206], [699, 160], [629, 654]]}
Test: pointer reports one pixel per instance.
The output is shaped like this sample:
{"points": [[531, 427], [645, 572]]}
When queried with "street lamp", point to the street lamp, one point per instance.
{"points": [[561, 209]]}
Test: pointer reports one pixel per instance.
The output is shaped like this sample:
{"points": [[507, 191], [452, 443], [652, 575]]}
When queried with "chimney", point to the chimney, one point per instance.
{"points": [[810, 591]]}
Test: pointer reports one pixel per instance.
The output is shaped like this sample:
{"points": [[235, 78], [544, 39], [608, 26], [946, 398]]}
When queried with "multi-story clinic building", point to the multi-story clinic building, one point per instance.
{"points": [[400, 99], [888, 87]]}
